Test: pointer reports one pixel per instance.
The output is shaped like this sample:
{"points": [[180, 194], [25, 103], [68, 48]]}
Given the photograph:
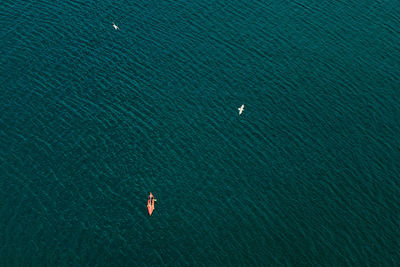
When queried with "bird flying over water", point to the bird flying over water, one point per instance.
{"points": [[115, 26], [241, 109]]}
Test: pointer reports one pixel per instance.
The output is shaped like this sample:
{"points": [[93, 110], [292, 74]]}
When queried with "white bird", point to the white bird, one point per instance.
{"points": [[115, 26], [241, 109]]}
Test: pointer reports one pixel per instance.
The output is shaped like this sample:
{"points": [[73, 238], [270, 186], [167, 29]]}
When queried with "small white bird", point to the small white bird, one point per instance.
{"points": [[241, 109], [115, 26]]}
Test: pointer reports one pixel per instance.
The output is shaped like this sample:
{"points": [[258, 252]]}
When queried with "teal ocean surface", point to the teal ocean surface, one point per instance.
{"points": [[92, 119]]}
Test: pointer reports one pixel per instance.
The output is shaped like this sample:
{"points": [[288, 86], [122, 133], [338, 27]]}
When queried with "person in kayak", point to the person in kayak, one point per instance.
{"points": [[151, 200]]}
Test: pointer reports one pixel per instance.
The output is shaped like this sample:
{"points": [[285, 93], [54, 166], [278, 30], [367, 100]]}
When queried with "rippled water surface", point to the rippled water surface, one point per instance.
{"points": [[93, 119]]}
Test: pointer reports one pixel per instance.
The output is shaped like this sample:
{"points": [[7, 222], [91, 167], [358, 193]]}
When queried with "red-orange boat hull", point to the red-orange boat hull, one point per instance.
{"points": [[150, 203]]}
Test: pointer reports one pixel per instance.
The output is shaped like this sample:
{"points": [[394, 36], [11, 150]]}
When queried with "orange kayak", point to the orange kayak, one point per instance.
{"points": [[150, 204]]}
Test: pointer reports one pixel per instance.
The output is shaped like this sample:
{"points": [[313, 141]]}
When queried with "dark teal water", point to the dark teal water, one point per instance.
{"points": [[93, 119]]}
